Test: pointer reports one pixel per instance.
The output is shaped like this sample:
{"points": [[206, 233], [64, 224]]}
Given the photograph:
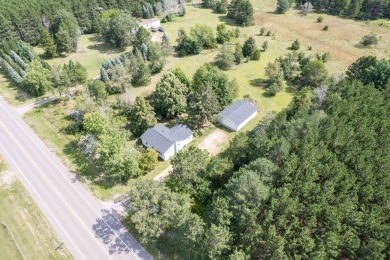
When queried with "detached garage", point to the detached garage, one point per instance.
{"points": [[237, 114]]}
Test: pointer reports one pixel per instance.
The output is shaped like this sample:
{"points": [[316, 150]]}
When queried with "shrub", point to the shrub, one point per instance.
{"points": [[265, 45], [295, 45], [262, 31], [114, 89], [326, 27], [320, 19], [275, 88], [269, 33], [370, 39], [255, 55], [325, 57]]}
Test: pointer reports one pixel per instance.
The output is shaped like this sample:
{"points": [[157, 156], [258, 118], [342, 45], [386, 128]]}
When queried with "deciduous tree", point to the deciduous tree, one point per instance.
{"points": [[170, 97], [142, 116]]}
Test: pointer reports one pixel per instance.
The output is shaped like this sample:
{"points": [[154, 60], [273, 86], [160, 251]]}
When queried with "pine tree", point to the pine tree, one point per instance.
{"points": [[142, 116], [7, 32], [166, 45], [25, 50], [282, 6], [16, 78], [238, 53], [141, 75], [295, 45], [48, 44], [225, 58], [241, 11], [265, 45], [103, 75], [64, 41], [144, 51], [249, 47], [18, 60]]}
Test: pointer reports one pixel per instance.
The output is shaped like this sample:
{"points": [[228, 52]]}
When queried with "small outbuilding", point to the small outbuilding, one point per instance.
{"points": [[150, 23], [237, 114], [167, 141]]}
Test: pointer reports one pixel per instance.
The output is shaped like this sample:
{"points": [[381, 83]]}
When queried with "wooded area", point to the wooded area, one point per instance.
{"points": [[312, 183]]}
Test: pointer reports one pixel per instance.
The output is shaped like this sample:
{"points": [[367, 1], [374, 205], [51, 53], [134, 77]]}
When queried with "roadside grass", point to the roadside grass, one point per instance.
{"points": [[8, 247], [28, 226], [3, 165], [13, 94]]}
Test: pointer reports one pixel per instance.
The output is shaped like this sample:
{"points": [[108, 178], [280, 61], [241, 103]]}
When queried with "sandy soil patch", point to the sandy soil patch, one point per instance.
{"points": [[214, 141], [7, 178]]}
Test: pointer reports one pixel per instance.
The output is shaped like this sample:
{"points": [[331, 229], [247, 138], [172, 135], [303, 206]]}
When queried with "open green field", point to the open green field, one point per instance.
{"points": [[20, 216], [91, 52], [340, 41]]}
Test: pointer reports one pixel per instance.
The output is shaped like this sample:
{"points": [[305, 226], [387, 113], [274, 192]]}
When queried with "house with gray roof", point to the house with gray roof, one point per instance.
{"points": [[167, 141], [237, 114]]}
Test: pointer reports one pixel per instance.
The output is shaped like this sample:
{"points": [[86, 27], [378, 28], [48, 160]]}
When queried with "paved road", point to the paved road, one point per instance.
{"points": [[87, 228]]}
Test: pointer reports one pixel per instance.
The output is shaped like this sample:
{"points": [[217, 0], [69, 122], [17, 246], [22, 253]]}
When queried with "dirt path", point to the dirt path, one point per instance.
{"points": [[214, 141]]}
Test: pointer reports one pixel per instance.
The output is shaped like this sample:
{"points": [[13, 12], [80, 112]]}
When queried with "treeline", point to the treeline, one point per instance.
{"points": [[27, 20], [366, 9], [309, 183]]}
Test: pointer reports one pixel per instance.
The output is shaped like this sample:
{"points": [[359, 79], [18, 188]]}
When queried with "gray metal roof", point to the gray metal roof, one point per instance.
{"points": [[239, 111], [161, 138]]}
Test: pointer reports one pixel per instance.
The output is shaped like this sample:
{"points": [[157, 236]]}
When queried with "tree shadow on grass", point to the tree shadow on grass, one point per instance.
{"points": [[21, 95], [227, 20], [258, 82], [98, 43], [86, 168]]}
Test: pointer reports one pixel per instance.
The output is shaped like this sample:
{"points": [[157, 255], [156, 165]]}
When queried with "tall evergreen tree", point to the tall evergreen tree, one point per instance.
{"points": [[241, 11], [48, 45], [64, 41], [249, 47], [282, 6], [103, 75]]}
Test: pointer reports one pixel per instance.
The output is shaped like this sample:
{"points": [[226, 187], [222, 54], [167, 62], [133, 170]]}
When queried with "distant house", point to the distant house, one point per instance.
{"points": [[149, 23], [237, 114], [167, 141]]}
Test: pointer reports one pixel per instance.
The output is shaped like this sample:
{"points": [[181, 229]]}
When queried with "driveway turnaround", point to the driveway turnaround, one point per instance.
{"points": [[88, 229]]}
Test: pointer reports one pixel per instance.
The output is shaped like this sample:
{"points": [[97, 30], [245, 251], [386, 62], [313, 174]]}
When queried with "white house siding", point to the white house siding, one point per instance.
{"points": [[155, 24], [180, 144], [246, 121], [168, 154], [233, 126]]}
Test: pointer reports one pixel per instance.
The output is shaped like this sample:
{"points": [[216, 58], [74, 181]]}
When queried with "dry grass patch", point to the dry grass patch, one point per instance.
{"points": [[28, 226]]}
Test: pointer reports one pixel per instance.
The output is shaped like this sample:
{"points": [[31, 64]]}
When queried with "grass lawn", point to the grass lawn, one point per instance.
{"points": [[340, 40], [91, 52], [8, 247], [27, 224]]}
